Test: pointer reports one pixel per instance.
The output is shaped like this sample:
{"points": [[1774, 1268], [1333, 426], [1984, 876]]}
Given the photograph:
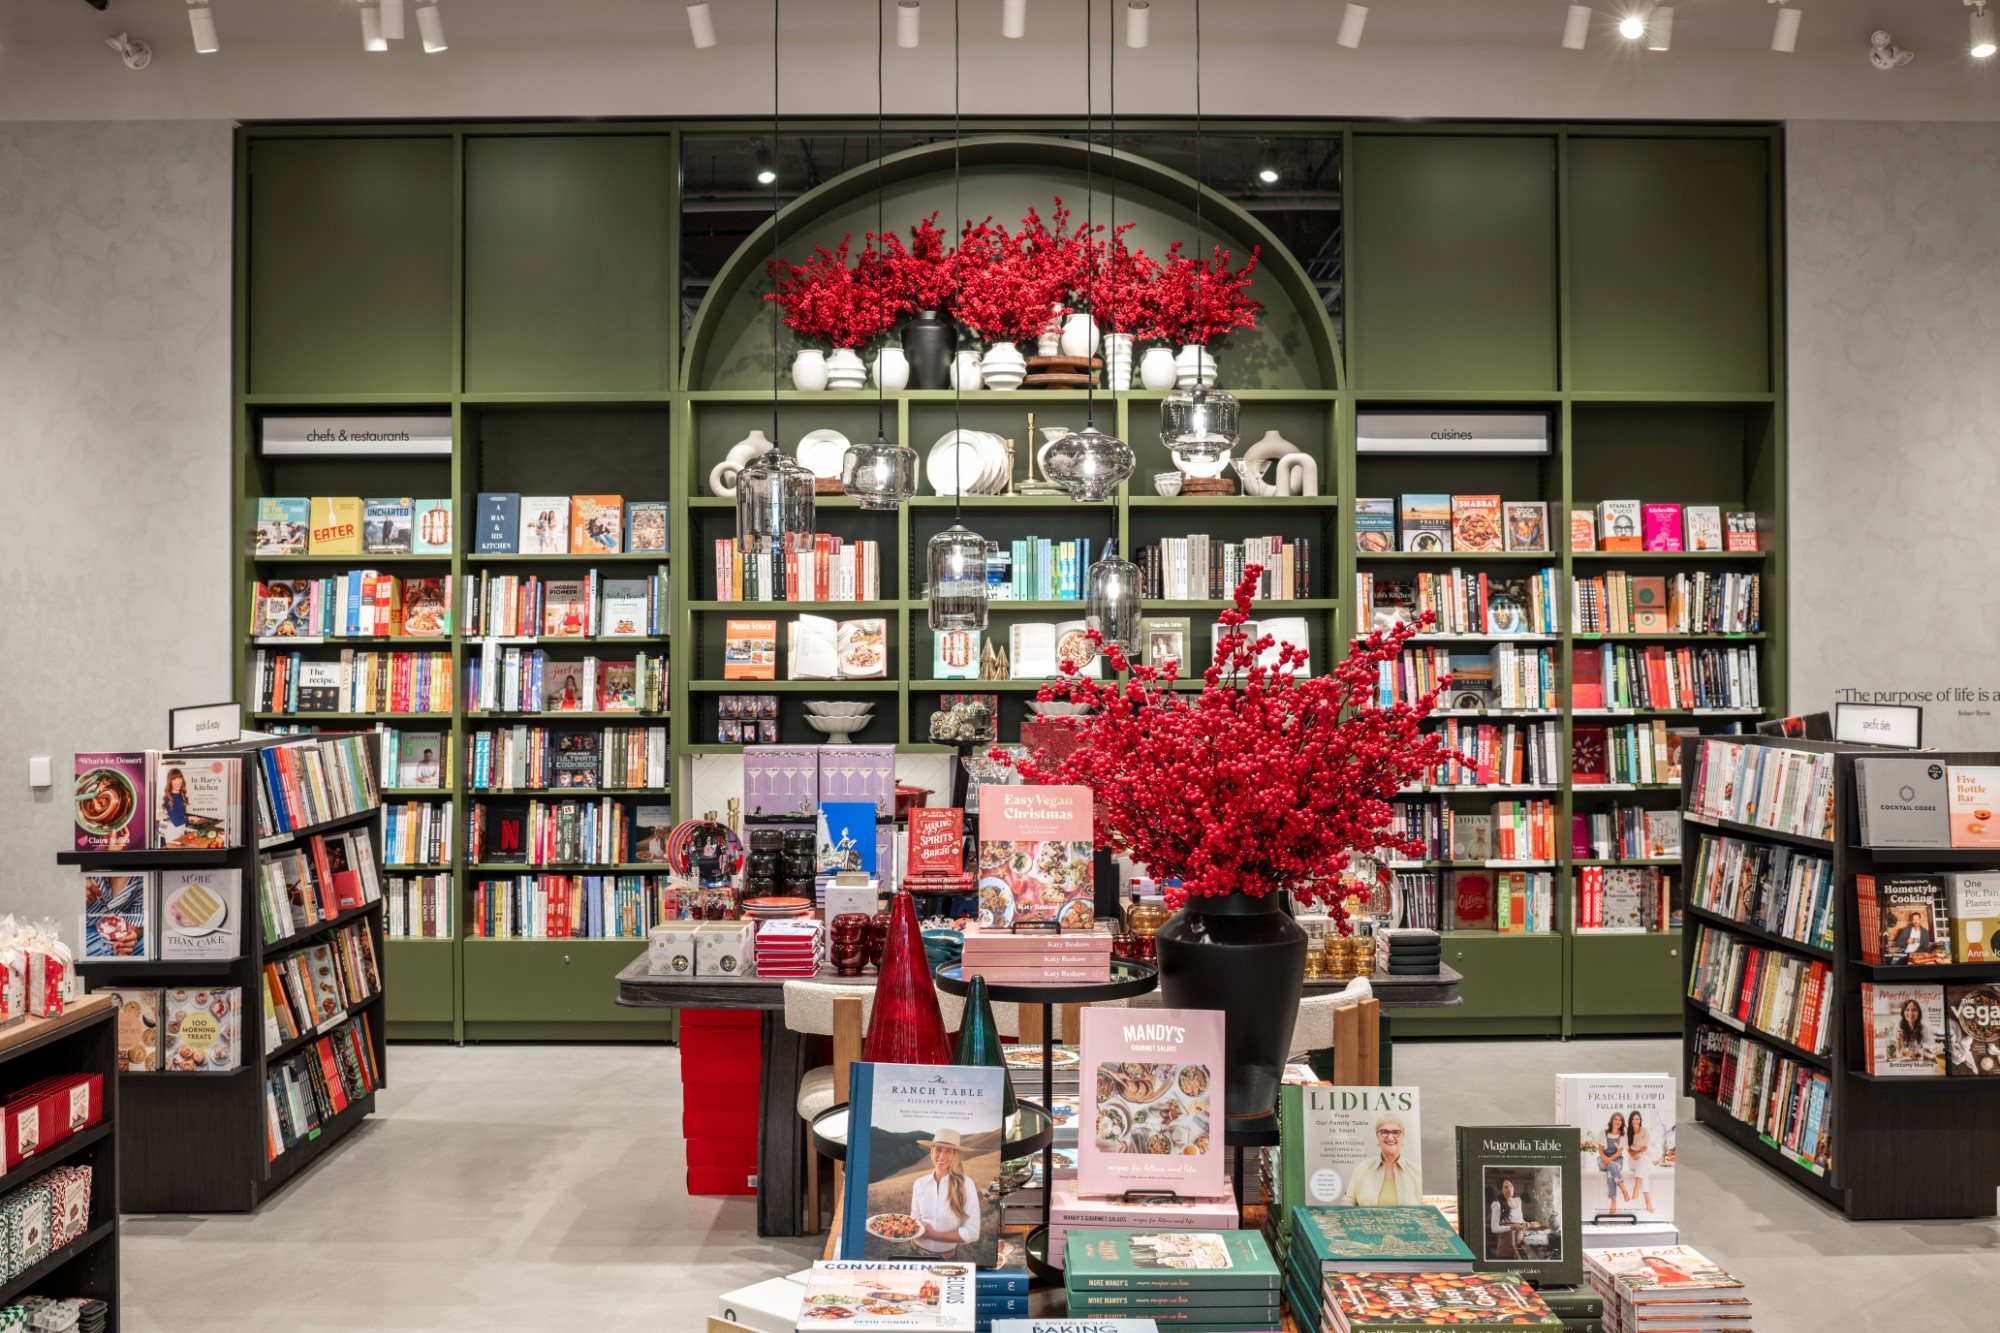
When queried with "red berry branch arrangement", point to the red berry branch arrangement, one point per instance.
{"points": [[1199, 301], [828, 301], [1263, 780]]}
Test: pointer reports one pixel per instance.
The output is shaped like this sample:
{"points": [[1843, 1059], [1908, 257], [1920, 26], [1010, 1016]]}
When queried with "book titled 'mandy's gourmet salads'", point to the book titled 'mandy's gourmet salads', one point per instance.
{"points": [[1152, 1102]]}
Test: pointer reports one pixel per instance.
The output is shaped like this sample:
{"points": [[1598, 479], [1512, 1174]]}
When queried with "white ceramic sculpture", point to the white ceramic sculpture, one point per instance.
{"points": [[722, 477]]}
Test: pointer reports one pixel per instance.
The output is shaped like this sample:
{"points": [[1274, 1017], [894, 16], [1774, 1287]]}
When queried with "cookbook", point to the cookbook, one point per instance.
{"points": [[1152, 1093]]}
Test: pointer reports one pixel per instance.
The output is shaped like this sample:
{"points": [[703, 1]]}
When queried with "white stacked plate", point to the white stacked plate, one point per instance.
{"points": [[821, 452], [975, 458]]}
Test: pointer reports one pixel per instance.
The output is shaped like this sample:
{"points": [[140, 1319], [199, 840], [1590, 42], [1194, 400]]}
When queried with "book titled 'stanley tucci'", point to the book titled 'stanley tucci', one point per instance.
{"points": [[1903, 802]]}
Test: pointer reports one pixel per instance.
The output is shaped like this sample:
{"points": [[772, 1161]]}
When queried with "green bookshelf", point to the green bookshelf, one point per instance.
{"points": [[532, 281]]}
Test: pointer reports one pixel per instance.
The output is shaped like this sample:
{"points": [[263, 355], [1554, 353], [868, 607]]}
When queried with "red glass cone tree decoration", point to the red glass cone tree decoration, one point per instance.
{"points": [[906, 1027]]}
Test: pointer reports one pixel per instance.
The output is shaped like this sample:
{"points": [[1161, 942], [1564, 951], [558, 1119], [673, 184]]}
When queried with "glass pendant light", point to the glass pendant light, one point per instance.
{"points": [[774, 494], [879, 475], [1113, 597], [1088, 463], [955, 559], [1200, 426], [956, 563]]}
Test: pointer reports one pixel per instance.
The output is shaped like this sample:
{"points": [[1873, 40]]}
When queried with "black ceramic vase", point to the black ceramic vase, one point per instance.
{"points": [[929, 339], [1246, 957]]}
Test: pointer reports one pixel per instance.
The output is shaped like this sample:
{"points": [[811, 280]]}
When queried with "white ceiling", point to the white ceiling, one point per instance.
{"points": [[302, 59]]}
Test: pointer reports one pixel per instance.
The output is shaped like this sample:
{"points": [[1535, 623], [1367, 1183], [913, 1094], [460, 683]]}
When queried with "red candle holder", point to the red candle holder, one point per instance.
{"points": [[878, 939], [851, 937]]}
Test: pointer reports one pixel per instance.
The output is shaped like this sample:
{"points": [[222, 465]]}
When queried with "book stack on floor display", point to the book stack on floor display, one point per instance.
{"points": [[59, 1195], [232, 900], [1665, 1286], [1197, 1281], [1840, 978]]}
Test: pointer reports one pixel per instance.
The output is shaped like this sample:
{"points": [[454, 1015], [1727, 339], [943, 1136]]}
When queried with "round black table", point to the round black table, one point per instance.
{"points": [[1034, 1129]]}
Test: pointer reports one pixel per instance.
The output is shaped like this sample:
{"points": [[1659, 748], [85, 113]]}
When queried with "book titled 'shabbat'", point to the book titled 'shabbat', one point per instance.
{"points": [[1152, 1100], [923, 1159]]}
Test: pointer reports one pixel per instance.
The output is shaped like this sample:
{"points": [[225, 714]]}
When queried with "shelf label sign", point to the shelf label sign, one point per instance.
{"points": [[292, 436], [1453, 432], [204, 724]]}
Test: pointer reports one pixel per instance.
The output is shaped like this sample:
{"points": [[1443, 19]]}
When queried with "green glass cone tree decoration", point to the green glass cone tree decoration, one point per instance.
{"points": [[979, 1038]]}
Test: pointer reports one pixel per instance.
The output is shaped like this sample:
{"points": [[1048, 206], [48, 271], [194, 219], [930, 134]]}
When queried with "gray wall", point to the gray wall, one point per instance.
{"points": [[1895, 420], [114, 457]]}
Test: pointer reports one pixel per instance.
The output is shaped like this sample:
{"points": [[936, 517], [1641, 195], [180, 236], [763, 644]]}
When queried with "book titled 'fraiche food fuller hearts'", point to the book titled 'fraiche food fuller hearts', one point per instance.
{"points": [[1152, 1100]]}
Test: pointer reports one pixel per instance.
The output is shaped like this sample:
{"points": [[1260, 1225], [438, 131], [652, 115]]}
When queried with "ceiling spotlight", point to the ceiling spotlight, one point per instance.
{"points": [[1014, 18], [135, 53], [1785, 36], [1660, 28], [430, 24], [1631, 27], [766, 172], [371, 28], [1351, 24], [1268, 176], [1138, 22], [1885, 55], [701, 24], [392, 20], [907, 13], [1576, 27], [202, 20], [1982, 30]]}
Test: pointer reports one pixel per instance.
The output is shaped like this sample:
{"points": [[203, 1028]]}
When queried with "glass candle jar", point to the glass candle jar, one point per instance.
{"points": [[849, 933]]}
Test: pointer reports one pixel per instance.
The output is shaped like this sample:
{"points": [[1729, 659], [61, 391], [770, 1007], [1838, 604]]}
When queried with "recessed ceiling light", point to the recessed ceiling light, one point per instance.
{"points": [[1268, 176]]}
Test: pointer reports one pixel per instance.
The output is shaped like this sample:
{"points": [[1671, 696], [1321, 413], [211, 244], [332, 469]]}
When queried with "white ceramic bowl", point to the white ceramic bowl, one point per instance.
{"points": [[1058, 708], [838, 708], [837, 729]]}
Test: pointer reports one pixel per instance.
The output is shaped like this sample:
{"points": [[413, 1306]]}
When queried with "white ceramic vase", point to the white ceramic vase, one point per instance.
{"points": [[1079, 335], [1050, 341], [844, 369], [965, 371], [1298, 474], [809, 370], [892, 369], [722, 477], [1192, 363], [1156, 369], [1117, 360], [1003, 366]]}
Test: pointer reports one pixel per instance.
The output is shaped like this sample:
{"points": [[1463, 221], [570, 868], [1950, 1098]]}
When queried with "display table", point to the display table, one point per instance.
{"points": [[780, 1145]]}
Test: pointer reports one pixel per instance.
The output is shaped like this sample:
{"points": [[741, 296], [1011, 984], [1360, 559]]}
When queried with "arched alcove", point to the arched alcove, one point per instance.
{"points": [[1293, 347]]}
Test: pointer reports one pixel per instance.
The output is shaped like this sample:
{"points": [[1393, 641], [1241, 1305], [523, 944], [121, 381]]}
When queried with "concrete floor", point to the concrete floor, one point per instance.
{"points": [[538, 1187]]}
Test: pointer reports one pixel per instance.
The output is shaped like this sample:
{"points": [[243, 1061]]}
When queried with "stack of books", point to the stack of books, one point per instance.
{"points": [[1037, 958], [1377, 1301], [1022, 1206], [1001, 1292], [1377, 1240], [1408, 951], [791, 947], [1197, 1281], [1664, 1286], [1091, 1212], [1024, 1067]]}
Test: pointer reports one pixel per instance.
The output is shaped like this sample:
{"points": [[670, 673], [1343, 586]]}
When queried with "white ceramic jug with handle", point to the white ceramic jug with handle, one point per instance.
{"points": [[722, 477]]}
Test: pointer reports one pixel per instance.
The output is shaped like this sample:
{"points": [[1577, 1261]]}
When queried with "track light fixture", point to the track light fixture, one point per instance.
{"points": [[371, 27], [201, 19], [1982, 31], [1014, 18], [430, 24], [1885, 55], [1660, 28], [1138, 23], [1351, 23], [1785, 36], [392, 20], [766, 173], [1576, 27], [908, 13], [1632, 27], [134, 52], [701, 26], [1268, 176]]}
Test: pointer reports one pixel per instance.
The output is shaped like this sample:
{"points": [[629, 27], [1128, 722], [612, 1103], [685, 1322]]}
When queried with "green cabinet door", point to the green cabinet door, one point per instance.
{"points": [[1625, 976], [549, 981], [1452, 262], [567, 284], [423, 985], [351, 260], [1669, 265]]}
